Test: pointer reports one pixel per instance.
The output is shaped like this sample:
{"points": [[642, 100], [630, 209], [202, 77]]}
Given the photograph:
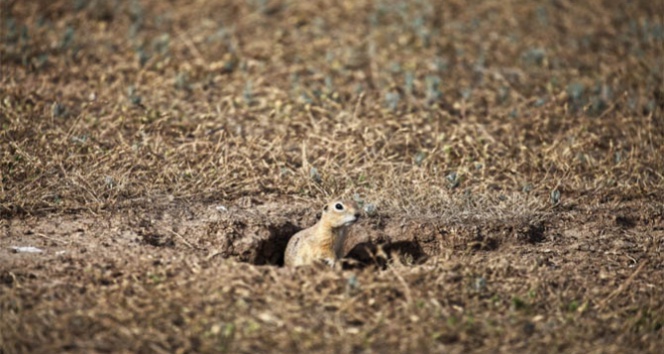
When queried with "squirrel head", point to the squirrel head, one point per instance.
{"points": [[341, 213]]}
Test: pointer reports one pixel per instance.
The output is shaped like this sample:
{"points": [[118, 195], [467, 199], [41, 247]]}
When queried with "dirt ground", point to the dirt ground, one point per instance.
{"points": [[157, 157]]}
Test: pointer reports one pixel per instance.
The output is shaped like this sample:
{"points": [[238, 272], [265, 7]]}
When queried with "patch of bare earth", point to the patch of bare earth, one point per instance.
{"points": [[186, 277]]}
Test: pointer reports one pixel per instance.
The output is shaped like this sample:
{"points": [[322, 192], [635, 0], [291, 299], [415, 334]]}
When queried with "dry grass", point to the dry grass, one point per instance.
{"points": [[438, 112]]}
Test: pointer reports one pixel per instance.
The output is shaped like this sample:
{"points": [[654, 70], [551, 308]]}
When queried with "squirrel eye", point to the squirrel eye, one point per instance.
{"points": [[339, 206]]}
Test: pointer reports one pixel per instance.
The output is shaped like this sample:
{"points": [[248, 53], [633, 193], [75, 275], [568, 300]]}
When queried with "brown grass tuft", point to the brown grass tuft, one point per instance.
{"points": [[161, 154]]}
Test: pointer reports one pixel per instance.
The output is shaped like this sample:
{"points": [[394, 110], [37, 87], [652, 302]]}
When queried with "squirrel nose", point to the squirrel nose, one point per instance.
{"points": [[357, 215]]}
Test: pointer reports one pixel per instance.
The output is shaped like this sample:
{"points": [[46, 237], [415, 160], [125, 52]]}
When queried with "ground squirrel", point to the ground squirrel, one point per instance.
{"points": [[325, 240]]}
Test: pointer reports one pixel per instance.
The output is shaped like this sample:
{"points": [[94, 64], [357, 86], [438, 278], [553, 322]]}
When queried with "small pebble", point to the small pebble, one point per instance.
{"points": [[28, 249]]}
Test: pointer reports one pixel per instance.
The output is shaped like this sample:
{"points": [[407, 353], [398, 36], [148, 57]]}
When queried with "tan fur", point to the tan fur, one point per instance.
{"points": [[325, 240]]}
